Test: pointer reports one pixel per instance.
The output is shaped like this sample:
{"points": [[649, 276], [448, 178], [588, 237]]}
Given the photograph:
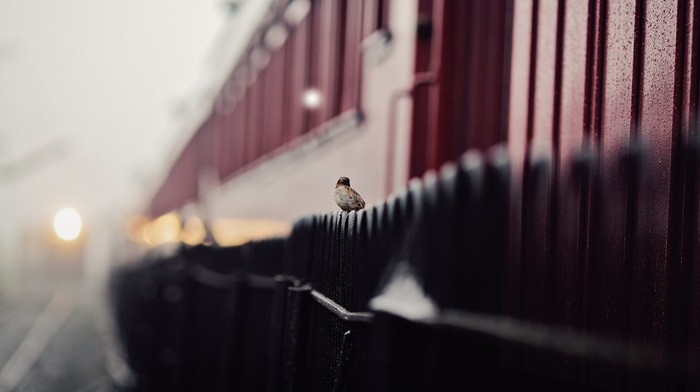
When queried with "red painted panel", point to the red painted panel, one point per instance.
{"points": [[239, 128], [204, 139], [443, 103], [540, 179], [265, 113], [465, 107], [297, 61], [658, 130], [233, 122], [351, 65], [421, 110], [486, 97], [518, 115], [546, 66], [569, 209], [577, 37], [518, 108], [219, 138], [274, 104], [607, 279], [690, 36], [317, 50], [384, 13], [331, 58], [258, 100], [229, 146], [222, 134], [253, 116]]}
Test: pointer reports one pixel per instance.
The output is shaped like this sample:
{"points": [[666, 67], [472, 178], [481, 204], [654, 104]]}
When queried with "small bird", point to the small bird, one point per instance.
{"points": [[347, 198]]}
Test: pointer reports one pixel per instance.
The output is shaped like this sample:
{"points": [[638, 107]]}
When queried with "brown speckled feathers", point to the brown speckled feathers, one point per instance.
{"points": [[347, 198]]}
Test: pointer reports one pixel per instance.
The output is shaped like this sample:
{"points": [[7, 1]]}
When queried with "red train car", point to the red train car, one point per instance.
{"points": [[304, 105], [381, 91]]}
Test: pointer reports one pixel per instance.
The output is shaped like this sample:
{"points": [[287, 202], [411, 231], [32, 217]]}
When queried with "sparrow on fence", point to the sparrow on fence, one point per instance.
{"points": [[347, 198]]}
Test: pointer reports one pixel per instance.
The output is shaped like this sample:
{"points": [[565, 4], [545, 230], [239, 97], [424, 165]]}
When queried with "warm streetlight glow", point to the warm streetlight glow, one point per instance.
{"points": [[232, 232], [193, 231], [67, 224], [162, 230]]}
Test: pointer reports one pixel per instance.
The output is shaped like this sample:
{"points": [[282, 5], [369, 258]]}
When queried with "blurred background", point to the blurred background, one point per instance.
{"points": [[93, 98], [131, 128]]}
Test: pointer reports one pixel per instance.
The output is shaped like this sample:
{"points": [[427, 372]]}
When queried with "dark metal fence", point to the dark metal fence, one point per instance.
{"points": [[459, 282]]}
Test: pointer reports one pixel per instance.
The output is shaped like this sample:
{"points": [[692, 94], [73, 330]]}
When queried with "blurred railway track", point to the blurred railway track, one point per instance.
{"points": [[50, 338]]}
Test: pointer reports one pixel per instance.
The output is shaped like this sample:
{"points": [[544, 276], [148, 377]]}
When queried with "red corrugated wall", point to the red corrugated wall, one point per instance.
{"points": [[610, 261], [461, 80], [617, 256]]}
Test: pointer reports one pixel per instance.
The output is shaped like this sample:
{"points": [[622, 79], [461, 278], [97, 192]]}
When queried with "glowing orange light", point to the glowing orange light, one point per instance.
{"points": [[67, 224], [231, 232], [162, 230], [193, 231]]}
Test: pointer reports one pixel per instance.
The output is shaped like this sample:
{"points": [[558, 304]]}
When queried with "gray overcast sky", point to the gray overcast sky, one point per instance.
{"points": [[88, 94]]}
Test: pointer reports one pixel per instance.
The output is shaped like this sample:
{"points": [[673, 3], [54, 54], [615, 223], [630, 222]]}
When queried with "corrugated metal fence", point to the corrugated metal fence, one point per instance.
{"points": [[438, 289]]}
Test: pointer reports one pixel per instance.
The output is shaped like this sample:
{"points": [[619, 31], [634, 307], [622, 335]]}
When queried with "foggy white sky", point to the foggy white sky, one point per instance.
{"points": [[89, 91]]}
